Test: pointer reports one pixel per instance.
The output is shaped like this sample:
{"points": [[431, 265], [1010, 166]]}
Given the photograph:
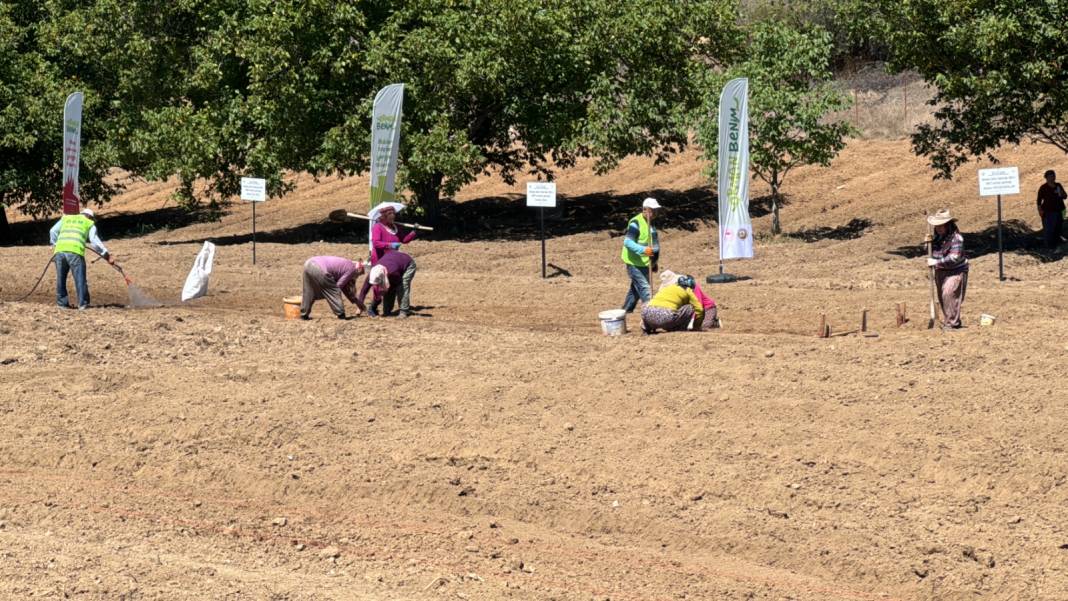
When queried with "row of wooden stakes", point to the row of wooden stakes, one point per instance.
{"points": [[824, 330]]}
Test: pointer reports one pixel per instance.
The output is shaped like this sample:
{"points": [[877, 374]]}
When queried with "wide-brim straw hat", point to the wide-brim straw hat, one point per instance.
{"points": [[941, 218]]}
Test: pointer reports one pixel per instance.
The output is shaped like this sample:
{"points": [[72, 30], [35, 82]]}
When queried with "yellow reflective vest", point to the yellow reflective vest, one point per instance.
{"points": [[73, 234], [644, 238]]}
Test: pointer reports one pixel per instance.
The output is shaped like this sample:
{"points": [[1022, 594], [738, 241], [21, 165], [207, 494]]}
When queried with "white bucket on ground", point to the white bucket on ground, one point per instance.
{"points": [[613, 322]]}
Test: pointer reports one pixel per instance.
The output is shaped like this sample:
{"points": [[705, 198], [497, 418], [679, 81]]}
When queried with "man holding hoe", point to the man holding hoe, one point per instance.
{"points": [[641, 250]]}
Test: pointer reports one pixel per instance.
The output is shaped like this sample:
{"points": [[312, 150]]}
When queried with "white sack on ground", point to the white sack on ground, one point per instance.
{"points": [[196, 283]]}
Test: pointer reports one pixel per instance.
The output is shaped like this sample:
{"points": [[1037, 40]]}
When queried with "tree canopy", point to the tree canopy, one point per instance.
{"points": [[520, 85], [998, 69], [34, 83], [210, 90]]}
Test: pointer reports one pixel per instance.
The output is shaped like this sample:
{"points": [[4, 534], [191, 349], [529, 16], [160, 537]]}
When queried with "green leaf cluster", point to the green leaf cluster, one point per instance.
{"points": [[521, 86], [208, 91], [998, 68]]}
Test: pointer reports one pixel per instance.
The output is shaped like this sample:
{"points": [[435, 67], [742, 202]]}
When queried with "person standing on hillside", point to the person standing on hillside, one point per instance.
{"points": [[384, 236], [69, 236], [641, 250], [329, 278], [1050, 202], [950, 266]]}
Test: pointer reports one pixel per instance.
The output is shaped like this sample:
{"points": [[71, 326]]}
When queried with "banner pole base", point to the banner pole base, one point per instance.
{"points": [[721, 278]]}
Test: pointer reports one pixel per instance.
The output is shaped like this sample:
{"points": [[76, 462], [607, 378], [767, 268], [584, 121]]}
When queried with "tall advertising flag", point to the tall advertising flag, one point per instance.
{"points": [[72, 151], [385, 141], [735, 228]]}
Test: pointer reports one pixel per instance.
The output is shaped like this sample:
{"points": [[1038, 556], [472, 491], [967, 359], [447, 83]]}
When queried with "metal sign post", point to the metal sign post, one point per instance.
{"points": [[995, 182], [541, 195], [541, 214], [1001, 247], [253, 189]]}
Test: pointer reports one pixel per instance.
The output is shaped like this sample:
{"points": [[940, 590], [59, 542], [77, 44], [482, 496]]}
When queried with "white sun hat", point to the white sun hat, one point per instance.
{"points": [[377, 210]]}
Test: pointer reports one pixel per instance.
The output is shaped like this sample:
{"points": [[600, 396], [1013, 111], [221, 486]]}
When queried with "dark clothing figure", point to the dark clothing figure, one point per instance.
{"points": [[1050, 203]]}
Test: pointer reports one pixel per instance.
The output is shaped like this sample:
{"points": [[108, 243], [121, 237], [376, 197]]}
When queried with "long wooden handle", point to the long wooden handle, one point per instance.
{"points": [[414, 226], [934, 289], [411, 225]]}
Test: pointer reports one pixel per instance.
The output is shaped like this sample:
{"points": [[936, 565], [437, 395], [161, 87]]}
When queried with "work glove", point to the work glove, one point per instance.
{"points": [[648, 251], [655, 267], [932, 262], [394, 245]]}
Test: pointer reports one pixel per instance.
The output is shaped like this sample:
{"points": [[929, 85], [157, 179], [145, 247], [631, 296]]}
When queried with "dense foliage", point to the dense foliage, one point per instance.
{"points": [[999, 69], [210, 90]]}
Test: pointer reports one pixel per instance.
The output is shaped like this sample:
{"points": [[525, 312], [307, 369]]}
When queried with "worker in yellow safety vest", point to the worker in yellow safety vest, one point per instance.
{"points": [[641, 250], [69, 237]]}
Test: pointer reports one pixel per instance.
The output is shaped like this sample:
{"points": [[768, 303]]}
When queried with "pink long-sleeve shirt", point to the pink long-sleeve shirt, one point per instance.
{"points": [[706, 301], [341, 269], [381, 239]]}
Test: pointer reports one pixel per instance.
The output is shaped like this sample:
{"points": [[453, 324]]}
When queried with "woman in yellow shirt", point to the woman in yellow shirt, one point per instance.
{"points": [[673, 307]]}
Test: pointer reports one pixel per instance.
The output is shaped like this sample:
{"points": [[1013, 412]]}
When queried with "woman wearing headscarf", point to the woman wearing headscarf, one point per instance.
{"points": [[673, 306], [330, 278], [950, 266], [390, 279], [711, 312], [384, 234]]}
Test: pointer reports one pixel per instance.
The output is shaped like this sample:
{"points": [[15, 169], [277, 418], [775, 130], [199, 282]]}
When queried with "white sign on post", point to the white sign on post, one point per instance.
{"points": [[1005, 180], [254, 189], [541, 194]]}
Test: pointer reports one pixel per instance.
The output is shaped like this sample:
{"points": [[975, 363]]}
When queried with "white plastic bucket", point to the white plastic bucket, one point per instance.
{"points": [[613, 322]]}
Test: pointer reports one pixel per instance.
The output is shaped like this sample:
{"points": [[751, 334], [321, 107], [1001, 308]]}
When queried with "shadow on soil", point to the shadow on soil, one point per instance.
{"points": [[850, 231], [326, 231], [508, 218], [1017, 238], [112, 226], [490, 218]]}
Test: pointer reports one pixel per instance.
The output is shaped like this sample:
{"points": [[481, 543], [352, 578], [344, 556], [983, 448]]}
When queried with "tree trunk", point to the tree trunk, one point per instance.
{"points": [[428, 195], [5, 229], [776, 228]]}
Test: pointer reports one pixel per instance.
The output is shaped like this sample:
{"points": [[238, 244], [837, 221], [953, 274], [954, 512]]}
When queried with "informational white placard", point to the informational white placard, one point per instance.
{"points": [[254, 189], [1004, 180], [541, 194]]}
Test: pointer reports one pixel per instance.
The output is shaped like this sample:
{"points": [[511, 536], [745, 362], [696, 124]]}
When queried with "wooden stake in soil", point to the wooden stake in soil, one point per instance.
{"points": [[863, 321], [822, 332], [901, 317]]}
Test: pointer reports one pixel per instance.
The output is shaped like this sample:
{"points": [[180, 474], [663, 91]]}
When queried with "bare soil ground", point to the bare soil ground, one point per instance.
{"points": [[498, 446]]}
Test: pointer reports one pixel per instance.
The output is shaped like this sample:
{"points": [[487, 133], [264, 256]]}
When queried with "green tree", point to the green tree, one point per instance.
{"points": [[790, 99], [213, 90], [998, 69], [33, 88], [513, 86]]}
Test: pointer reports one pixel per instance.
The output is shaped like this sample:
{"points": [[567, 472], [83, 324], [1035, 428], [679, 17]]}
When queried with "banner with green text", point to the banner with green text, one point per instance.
{"points": [[72, 152], [385, 142], [735, 228]]}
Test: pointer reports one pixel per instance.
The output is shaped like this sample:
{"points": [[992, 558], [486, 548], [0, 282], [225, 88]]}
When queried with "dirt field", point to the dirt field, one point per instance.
{"points": [[499, 447]]}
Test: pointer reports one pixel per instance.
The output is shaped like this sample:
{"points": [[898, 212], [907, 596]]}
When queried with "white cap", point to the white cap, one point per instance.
{"points": [[88, 213], [650, 203]]}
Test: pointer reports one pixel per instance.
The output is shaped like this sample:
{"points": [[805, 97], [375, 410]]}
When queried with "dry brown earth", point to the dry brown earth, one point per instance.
{"points": [[500, 447]]}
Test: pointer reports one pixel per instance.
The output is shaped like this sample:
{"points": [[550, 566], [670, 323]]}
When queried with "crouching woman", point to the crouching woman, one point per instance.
{"points": [[673, 307]]}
